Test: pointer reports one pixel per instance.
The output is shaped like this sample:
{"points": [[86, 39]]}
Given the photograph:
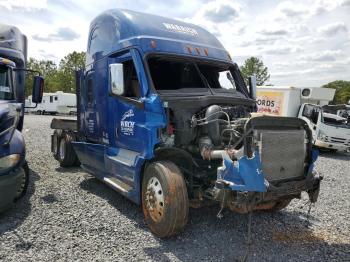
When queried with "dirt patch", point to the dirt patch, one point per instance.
{"points": [[308, 236]]}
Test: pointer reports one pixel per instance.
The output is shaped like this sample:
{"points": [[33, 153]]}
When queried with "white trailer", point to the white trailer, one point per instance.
{"points": [[55, 103], [328, 130]]}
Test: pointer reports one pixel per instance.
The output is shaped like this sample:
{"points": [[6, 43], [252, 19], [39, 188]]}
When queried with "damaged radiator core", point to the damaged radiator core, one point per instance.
{"points": [[282, 153]]}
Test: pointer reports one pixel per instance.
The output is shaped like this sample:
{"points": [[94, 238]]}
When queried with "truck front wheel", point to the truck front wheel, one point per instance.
{"points": [[66, 153], [24, 170], [164, 199]]}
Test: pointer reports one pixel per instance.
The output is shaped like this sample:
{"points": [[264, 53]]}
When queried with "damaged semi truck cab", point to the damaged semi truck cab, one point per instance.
{"points": [[165, 118], [14, 173]]}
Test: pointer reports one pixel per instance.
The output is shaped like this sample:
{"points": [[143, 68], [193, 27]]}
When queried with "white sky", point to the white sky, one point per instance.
{"points": [[303, 43]]}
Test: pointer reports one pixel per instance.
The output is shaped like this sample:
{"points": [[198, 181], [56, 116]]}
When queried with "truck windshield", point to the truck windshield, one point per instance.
{"points": [[334, 120], [6, 92], [179, 73]]}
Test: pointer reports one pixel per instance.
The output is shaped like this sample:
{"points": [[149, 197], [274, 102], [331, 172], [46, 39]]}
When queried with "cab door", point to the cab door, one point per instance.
{"points": [[311, 115], [128, 134], [90, 119]]}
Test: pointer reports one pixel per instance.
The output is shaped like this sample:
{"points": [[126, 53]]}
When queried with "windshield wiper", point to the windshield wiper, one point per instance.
{"points": [[204, 79]]}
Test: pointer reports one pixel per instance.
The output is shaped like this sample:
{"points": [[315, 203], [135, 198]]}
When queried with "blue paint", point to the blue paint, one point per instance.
{"points": [[314, 155], [246, 175], [115, 30]]}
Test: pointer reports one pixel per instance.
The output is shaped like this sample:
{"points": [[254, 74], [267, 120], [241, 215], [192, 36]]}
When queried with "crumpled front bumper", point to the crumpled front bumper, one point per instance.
{"points": [[322, 144], [246, 176]]}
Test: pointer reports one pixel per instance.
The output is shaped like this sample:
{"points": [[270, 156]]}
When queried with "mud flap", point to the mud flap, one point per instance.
{"points": [[246, 175]]}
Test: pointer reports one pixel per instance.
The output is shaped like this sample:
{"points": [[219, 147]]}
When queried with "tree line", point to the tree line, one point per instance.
{"points": [[254, 66], [61, 77]]}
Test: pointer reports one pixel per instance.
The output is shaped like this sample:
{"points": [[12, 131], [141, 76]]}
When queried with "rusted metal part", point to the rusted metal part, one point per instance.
{"points": [[208, 153], [265, 206], [155, 199], [241, 209]]}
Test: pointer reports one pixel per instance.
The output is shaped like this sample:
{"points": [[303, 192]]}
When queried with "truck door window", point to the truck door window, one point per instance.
{"points": [[5, 84], [226, 80], [51, 99], [311, 112], [56, 98], [131, 82]]}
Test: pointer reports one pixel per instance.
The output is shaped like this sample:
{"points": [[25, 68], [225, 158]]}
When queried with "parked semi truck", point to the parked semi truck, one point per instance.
{"points": [[56, 103], [165, 118], [329, 130], [14, 173]]}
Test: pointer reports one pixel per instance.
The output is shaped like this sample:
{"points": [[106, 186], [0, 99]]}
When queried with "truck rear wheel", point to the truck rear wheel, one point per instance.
{"points": [[164, 199], [66, 154], [56, 137]]}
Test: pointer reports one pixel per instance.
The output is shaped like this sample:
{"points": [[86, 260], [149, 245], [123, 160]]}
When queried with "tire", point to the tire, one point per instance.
{"points": [[55, 141], [164, 199], [66, 153], [25, 181], [77, 162], [280, 205]]}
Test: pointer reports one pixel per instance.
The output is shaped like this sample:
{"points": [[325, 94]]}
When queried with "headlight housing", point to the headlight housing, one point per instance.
{"points": [[9, 161], [321, 136]]}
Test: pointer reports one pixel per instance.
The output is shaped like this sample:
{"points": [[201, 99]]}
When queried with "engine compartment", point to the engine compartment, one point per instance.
{"points": [[209, 134], [222, 124]]}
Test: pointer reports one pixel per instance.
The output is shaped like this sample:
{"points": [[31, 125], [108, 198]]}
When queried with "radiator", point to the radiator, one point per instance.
{"points": [[282, 154]]}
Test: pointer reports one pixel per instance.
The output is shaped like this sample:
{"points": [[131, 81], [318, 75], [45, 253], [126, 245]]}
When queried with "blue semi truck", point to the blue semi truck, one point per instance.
{"points": [[14, 172], [166, 119]]}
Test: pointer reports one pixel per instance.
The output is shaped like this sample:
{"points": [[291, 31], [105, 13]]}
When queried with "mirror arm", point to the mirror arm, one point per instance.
{"points": [[28, 70]]}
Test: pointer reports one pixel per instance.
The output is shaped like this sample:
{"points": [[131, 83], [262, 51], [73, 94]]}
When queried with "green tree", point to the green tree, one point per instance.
{"points": [[67, 67], [342, 93], [57, 78], [48, 70], [254, 66]]}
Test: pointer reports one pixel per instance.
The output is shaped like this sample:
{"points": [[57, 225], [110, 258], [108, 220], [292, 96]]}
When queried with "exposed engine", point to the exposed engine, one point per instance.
{"points": [[218, 132], [219, 125]]}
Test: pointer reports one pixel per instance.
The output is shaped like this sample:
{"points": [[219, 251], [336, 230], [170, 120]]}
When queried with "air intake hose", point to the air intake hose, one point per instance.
{"points": [[212, 115]]}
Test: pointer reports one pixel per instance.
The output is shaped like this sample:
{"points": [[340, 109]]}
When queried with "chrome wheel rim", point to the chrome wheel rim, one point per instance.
{"points": [[62, 149], [155, 199]]}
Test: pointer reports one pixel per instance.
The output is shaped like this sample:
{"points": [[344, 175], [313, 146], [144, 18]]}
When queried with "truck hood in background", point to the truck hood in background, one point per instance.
{"points": [[334, 131]]}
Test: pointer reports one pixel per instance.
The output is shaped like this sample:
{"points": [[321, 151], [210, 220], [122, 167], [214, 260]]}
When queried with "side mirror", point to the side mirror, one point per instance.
{"points": [[38, 89], [116, 79], [252, 87]]}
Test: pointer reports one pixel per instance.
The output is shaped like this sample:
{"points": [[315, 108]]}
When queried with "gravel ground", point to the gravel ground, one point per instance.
{"points": [[69, 215]]}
